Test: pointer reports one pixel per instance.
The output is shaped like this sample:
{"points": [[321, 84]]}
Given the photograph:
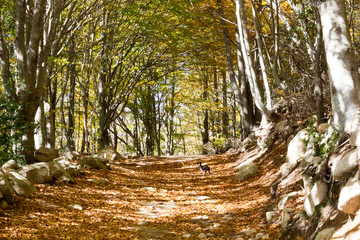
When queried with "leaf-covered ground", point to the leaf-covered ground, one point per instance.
{"points": [[152, 198]]}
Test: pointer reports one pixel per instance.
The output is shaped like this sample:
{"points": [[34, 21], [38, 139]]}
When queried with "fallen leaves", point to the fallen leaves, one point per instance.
{"points": [[169, 194]]}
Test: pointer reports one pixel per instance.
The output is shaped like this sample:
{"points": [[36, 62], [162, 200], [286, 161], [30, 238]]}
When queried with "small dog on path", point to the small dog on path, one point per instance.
{"points": [[204, 168]]}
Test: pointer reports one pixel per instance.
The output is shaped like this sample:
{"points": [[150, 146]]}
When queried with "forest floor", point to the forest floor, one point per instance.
{"points": [[152, 198]]}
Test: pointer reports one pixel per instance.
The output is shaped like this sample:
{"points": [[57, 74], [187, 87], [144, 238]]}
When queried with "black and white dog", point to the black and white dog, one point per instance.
{"points": [[204, 168]]}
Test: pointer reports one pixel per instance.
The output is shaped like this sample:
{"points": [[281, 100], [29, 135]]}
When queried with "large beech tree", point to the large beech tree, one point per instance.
{"points": [[36, 25]]}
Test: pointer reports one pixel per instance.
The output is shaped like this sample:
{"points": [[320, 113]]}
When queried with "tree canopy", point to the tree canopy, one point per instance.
{"points": [[169, 77]]}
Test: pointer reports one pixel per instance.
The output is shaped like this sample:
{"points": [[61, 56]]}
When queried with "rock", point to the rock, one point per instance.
{"points": [[344, 163], [262, 236], [99, 181], [11, 164], [316, 161], [44, 154], [286, 168], [285, 217], [92, 162], [144, 223], [355, 138], [307, 180], [5, 188], [323, 128], [284, 128], [75, 206], [249, 232], [281, 204], [348, 231], [186, 235], [37, 173], [20, 184], [73, 169], [297, 147], [317, 195], [265, 135], [246, 170], [202, 235], [270, 217], [4, 204], [71, 156], [109, 153], [202, 198], [325, 234], [59, 172], [349, 198]]}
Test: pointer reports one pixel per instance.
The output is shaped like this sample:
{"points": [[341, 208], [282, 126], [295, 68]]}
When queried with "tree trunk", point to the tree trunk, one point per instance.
{"points": [[239, 91], [205, 133], [249, 66], [104, 138], [258, 35], [70, 145], [342, 68], [225, 116], [318, 87]]}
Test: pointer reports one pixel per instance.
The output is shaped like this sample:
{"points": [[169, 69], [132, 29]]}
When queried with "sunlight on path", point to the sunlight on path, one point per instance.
{"points": [[147, 198]]}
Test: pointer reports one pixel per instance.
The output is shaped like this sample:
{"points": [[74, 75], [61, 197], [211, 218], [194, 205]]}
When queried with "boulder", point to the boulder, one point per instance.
{"points": [[6, 190], [297, 147], [44, 154], [37, 173], [71, 156], [59, 172], [348, 231], [349, 198], [20, 184], [344, 163], [317, 195], [109, 153], [11, 164], [284, 129], [92, 162], [246, 170], [73, 169], [355, 138], [325, 234], [285, 217], [323, 128], [98, 181], [286, 168], [3, 204]]}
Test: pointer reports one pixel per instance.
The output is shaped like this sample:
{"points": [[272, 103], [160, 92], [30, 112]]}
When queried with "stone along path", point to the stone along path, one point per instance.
{"points": [[149, 198]]}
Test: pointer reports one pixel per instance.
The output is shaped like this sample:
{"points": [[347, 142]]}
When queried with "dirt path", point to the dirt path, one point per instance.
{"points": [[150, 198]]}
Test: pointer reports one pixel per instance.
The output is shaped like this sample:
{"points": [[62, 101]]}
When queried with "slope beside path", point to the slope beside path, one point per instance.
{"points": [[152, 198]]}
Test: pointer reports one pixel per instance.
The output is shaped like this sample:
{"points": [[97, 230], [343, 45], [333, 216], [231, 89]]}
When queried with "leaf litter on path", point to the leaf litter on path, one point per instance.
{"points": [[169, 194]]}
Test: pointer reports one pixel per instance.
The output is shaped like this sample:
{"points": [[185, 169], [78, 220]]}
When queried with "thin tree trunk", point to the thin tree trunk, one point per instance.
{"points": [[70, 145], [225, 116], [205, 133]]}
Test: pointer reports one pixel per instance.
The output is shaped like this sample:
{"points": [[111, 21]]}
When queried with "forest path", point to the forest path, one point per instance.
{"points": [[151, 198]]}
